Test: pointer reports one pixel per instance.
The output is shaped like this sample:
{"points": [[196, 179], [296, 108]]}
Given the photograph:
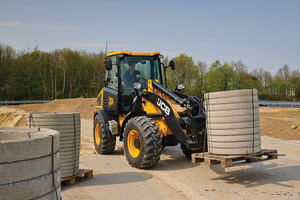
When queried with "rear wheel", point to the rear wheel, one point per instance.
{"points": [[103, 143], [142, 142]]}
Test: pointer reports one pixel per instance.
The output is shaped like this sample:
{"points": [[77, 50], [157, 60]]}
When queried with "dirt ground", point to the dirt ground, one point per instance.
{"points": [[283, 123], [175, 177]]}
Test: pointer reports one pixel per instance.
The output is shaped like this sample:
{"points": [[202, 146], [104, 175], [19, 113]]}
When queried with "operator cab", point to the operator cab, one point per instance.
{"points": [[125, 68]]}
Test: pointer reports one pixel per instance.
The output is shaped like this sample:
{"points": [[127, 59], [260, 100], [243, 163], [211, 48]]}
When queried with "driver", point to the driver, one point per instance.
{"points": [[131, 74]]}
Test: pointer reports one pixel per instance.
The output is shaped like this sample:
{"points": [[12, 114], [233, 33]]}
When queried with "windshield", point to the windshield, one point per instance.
{"points": [[139, 67]]}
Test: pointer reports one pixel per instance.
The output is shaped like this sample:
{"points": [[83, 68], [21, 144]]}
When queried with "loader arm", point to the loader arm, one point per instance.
{"points": [[170, 118]]}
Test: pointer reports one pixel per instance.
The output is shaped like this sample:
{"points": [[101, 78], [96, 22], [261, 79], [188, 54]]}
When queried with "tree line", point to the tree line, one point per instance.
{"points": [[63, 73], [200, 78], [66, 73]]}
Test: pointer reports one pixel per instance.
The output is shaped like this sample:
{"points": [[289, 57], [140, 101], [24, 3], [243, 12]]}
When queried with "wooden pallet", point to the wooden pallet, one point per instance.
{"points": [[83, 173], [230, 160]]}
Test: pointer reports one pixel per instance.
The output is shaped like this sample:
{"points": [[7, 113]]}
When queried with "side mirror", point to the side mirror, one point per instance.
{"points": [[179, 87], [108, 64], [172, 65]]}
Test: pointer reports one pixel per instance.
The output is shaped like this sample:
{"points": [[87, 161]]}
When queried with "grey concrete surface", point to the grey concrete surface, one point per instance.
{"points": [[68, 124], [232, 93], [26, 163], [235, 140]]}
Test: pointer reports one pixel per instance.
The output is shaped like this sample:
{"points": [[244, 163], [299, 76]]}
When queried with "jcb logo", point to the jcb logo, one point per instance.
{"points": [[163, 106], [110, 101]]}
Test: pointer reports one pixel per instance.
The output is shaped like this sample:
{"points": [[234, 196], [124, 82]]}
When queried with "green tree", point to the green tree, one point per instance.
{"points": [[185, 73], [65, 73], [241, 75], [278, 89], [7, 56], [202, 70], [55, 56], [165, 61], [91, 73], [281, 87], [71, 64], [219, 77], [295, 84], [24, 83]]}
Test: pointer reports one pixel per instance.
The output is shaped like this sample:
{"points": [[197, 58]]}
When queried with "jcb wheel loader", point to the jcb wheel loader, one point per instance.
{"points": [[143, 113]]}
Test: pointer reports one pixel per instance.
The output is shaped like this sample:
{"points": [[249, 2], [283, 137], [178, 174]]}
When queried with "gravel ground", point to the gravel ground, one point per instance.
{"points": [[175, 177]]}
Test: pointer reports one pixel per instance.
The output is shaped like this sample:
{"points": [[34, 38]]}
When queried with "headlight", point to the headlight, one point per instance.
{"points": [[180, 86], [137, 86]]}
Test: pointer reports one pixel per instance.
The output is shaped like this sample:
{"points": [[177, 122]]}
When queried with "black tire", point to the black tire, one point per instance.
{"points": [[142, 142], [103, 143]]}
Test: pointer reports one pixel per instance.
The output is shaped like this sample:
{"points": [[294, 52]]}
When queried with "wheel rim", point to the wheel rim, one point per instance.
{"points": [[97, 134], [132, 138]]}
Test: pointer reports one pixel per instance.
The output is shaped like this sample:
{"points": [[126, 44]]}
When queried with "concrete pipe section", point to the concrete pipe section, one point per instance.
{"points": [[68, 124], [29, 163], [233, 122]]}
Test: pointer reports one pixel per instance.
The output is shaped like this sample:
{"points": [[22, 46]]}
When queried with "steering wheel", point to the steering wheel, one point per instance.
{"points": [[141, 80]]}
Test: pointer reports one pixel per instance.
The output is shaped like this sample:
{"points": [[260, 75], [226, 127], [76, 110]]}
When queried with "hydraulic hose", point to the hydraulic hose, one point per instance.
{"points": [[176, 98]]}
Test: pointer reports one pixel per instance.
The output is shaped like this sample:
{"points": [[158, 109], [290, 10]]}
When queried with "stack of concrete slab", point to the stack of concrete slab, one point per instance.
{"points": [[68, 124], [232, 122], [29, 163]]}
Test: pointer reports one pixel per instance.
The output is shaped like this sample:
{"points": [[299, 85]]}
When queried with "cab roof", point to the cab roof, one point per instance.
{"points": [[132, 53]]}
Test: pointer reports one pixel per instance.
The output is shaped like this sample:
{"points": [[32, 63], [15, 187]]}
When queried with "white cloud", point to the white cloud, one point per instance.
{"points": [[19, 23]]}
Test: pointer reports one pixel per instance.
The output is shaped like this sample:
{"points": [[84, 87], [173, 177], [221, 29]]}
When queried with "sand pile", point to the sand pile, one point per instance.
{"points": [[283, 123], [84, 106], [14, 116], [11, 117]]}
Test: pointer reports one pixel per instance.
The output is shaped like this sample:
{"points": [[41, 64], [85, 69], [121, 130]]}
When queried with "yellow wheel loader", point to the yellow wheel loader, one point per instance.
{"points": [[136, 106]]}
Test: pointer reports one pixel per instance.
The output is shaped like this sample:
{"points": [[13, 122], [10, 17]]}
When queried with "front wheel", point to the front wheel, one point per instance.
{"points": [[142, 142], [103, 143]]}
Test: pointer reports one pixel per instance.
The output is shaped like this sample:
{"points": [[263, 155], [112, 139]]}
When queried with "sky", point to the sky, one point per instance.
{"points": [[260, 33]]}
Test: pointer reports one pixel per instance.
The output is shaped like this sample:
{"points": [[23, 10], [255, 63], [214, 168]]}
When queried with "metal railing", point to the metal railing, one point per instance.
{"points": [[286, 104], [8, 103]]}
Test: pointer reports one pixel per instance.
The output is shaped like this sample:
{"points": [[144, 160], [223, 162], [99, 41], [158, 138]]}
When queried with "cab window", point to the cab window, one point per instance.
{"points": [[111, 76], [147, 67]]}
